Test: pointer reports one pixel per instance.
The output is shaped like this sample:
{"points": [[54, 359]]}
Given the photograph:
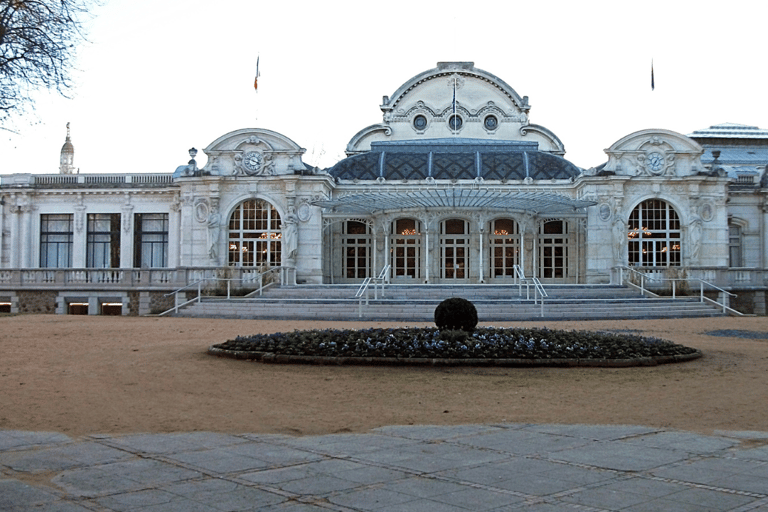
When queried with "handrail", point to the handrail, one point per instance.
{"points": [[538, 288], [199, 283], [380, 279], [674, 280]]}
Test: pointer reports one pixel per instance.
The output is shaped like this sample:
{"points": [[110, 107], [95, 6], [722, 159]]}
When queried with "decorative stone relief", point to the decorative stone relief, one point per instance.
{"points": [[201, 210], [304, 211], [604, 212], [707, 211], [694, 235]]}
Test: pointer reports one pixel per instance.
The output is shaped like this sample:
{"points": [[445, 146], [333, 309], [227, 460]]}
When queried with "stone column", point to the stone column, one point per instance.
{"points": [[174, 232], [79, 237], [2, 227], [185, 235], [126, 237], [13, 241], [25, 235]]}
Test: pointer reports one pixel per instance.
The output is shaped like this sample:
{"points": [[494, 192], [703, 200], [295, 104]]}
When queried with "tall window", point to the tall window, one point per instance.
{"points": [[103, 243], [734, 246], [357, 249], [55, 241], [254, 235], [454, 249], [505, 247], [406, 248], [553, 249], [150, 240], [654, 235]]}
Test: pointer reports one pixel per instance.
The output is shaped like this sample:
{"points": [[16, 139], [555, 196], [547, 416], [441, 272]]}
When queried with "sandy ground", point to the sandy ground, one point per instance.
{"points": [[87, 375]]}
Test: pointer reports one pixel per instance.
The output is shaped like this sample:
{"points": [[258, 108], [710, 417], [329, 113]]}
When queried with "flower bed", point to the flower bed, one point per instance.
{"points": [[488, 346]]}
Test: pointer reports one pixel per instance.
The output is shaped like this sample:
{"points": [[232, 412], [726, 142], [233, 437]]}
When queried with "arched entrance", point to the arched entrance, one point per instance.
{"points": [[654, 235], [254, 235]]}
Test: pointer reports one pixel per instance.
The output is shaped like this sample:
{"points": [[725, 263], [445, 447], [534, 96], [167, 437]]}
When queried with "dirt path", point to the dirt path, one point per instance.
{"points": [[85, 375]]}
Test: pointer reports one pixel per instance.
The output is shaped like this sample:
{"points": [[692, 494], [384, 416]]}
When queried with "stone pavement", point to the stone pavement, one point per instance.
{"points": [[498, 468]]}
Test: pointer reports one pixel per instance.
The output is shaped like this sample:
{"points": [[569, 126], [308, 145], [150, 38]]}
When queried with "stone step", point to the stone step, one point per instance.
{"points": [[418, 303]]}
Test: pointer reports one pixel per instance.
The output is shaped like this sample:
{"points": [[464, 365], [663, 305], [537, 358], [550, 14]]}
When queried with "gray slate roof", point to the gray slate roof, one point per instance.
{"points": [[454, 159]]}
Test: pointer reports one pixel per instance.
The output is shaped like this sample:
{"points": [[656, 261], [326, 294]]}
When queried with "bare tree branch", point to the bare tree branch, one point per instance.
{"points": [[38, 39]]}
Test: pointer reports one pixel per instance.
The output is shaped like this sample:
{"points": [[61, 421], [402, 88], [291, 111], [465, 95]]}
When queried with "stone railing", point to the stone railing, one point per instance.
{"points": [[98, 180], [119, 278]]}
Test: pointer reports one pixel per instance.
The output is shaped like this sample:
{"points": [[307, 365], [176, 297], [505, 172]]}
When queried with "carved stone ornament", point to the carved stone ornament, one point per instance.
{"points": [[201, 210], [254, 163], [304, 212], [604, 212], [707, 211]]}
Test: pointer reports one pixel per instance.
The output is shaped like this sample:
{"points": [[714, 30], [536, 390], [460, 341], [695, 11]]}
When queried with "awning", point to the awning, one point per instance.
{"points": [[455, 198]]}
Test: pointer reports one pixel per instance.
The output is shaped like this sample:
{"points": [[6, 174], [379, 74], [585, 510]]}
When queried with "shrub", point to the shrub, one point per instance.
{"points": [[456, 313]]}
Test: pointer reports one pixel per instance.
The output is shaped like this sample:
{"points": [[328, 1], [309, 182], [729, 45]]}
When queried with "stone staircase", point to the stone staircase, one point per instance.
{"points": [[418, 303]]}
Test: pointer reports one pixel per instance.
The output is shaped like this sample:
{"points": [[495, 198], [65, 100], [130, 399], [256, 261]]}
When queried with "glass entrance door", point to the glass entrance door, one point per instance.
{"points": [[454, 249], [406, 249]]}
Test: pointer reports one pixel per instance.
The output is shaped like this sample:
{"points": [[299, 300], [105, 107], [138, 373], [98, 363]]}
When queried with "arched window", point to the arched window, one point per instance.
{"points": [[505, 247], [654, 235], [254, 235]]}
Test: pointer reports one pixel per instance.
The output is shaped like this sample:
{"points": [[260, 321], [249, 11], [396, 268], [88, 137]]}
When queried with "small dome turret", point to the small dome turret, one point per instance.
{"points": [[67, 159]]}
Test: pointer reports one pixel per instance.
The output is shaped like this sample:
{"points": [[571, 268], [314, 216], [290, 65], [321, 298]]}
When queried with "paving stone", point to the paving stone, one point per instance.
{"points": [[435, 432], [318, 484], [424, 505], [620, 456], [16, 439], [179, 442], [14, 493], [685, 441], [218, 460], [608, 499], [420, 487], [650, 488], [371, 499], [713, 500], [497, 468], [477, 499], [59, 458], [134, 500], [743, 482], [592, 432]]}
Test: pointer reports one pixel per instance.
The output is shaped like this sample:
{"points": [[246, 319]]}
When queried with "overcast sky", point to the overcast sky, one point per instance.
{"points": [[158, 77]]}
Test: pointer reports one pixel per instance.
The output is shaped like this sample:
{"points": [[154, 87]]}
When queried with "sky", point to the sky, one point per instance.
{"points": [[156, 78]]}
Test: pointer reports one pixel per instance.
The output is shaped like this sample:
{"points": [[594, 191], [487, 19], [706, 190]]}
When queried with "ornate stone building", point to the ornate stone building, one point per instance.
{"points": [[455, 185]]}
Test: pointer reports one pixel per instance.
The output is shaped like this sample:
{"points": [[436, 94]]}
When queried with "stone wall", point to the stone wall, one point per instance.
{"points": [[37, 302]]}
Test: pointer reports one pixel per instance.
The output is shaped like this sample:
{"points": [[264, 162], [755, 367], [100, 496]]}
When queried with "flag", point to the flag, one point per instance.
{"points": [[653, 85], [256, 80], [454, 94]]}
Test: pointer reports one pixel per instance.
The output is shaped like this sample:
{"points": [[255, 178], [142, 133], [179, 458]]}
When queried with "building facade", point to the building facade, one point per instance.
{"points": [[455, 185]]}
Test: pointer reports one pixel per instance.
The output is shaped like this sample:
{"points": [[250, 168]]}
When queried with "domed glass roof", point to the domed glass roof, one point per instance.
{"points": [[454, 159]]}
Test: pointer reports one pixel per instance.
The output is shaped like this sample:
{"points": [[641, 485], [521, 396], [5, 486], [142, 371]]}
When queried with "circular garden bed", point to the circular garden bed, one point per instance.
{"points": [[485, 346]]}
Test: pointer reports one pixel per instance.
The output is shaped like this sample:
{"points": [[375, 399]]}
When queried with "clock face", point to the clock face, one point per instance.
{"points": [[252, 161], [655, 162]]}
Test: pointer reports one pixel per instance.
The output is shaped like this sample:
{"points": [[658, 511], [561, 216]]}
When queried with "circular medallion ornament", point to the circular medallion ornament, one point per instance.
{"points": [[655, 163], [707, 211], [420, 122], [304, 212], [455, 122], [252, 162]]}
